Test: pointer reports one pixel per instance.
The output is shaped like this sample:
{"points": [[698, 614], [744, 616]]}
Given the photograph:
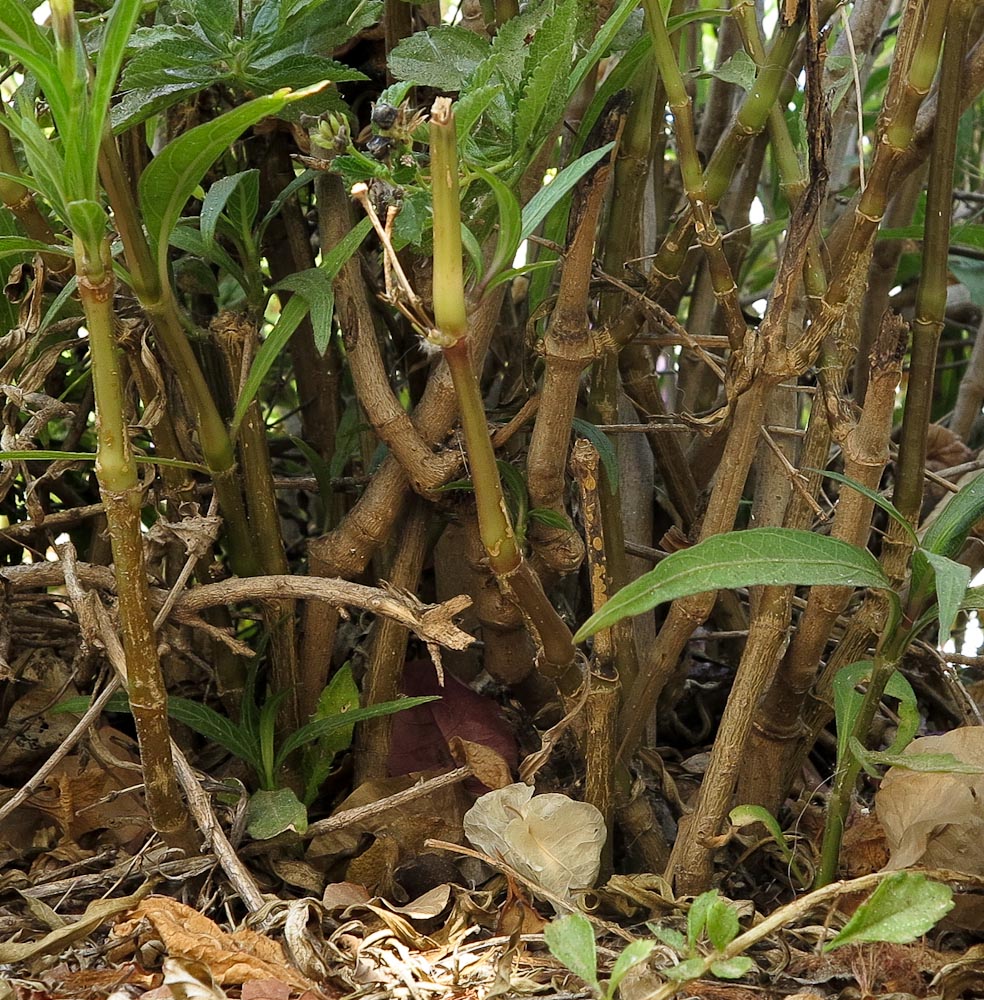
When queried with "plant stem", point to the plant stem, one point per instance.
{"points": [[452, 334], [159, 304], [121, 495]]}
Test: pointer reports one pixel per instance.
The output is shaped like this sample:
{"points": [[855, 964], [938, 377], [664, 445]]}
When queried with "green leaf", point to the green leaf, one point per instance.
{"points": [[732, 968], [600, 43], [242, 209], [112, 47], [321, 728], [950, 581], [510, 224], [756, 557], [634, 954], [88, 221], [544, 92], [740, 70], [604, 447], [317, 465], [314, 291], [692, 968], [271, 813], [947, 534], [746, 815], [874, 496], [215, 727], [90, 456], [292, 188], [172, 176], [190, 239], [722, 924], [924, 763], [551, 518], [670, 936], [571, 940], [340, 696], [540, 204], [441, 57], [21, 37], [904, 906], [847, 705], [10, 245], [697, 915]]}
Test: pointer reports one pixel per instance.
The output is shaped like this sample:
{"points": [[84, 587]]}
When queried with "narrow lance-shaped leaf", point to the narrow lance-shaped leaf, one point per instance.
{"points": [[312, 291], [510, 223], [169, 181], [120, 25], [875, 497], [947, 534], [540, 204], [759, 556]]}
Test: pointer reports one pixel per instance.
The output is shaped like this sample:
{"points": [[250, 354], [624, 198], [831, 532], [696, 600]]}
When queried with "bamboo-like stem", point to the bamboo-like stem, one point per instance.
{"points": [[451, 333], [384, 670], [681, 106], [931, 295], [601, 708], [687, 613], [568, 348], [865, 447], [622, 243], [392, 424], [232, 334], [930, 307], [120, 490], [750, 120], [159, 304]]}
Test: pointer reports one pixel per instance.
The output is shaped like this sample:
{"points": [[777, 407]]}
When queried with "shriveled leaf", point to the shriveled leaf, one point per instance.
{"points": [[759, 556], [904, 906]]}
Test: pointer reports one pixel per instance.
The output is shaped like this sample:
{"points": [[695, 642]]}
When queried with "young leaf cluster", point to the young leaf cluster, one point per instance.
{"points": [[253, 48]]}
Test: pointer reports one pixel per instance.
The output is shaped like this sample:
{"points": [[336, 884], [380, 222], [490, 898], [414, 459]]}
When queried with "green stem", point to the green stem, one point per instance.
{"points": [[121, 494], [931, 295], [451, 334], [159, 304]]}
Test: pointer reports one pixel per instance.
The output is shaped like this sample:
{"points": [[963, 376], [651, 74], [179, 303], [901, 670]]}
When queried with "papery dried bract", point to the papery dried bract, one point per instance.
{"points": [[551, 839]]}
